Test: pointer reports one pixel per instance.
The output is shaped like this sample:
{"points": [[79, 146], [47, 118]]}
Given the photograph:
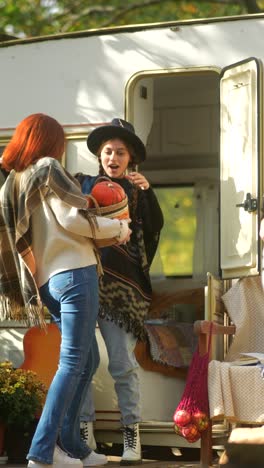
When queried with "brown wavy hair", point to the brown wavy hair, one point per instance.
{"points": [[35, 137]]}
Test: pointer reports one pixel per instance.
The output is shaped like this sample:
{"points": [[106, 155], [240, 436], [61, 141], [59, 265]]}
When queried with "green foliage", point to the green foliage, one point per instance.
{"points": [[21, 395], [42, 17], [178, 234]]}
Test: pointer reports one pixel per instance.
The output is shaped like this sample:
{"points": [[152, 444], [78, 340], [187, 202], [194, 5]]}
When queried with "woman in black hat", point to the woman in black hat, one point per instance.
{"points": [[125, 287]]}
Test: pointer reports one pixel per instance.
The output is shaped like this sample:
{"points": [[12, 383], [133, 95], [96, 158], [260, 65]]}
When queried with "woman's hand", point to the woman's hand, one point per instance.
{"points": [[127, 238], [138, 179], [261, 230], [129, 232]]}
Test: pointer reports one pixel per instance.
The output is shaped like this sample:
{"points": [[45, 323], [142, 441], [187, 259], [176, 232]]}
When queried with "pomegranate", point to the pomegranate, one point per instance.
{"points": [[182, 417], [200, 419], [191, 433]]}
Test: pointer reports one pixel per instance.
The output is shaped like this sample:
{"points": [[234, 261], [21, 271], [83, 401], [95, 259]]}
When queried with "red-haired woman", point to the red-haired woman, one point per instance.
{"points": [[48, 257]]}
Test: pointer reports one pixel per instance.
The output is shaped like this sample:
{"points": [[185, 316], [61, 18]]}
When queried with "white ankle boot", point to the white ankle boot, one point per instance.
{"points": [[87, 434], [132, 446]]}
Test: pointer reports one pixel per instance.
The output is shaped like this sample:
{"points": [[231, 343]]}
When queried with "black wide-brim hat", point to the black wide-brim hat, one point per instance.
{"points": [[118, 128]]}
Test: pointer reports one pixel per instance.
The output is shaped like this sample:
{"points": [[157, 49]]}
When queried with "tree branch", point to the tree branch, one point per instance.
{"points": [[251, 5], [117, 13]]}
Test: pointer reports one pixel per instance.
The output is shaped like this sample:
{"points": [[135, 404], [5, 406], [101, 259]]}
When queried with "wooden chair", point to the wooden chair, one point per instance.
{"points": [[225, 331]]}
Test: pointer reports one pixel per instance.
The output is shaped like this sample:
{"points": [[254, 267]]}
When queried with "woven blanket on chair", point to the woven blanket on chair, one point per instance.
{"points": [[236, 392], [171, 343]]}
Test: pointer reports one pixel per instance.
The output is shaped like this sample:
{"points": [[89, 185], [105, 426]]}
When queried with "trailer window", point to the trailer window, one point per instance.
{"points": [[175, 252]]}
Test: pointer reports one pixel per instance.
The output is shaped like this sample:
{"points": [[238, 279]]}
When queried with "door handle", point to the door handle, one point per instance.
{"points": [[249, 204]]}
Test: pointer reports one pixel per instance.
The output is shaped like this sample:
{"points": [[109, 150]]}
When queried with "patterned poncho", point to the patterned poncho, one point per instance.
{"points": [[20, 195], [125, 287]]}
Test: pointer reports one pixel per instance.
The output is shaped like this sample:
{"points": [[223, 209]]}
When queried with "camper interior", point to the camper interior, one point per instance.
{"points": [[183, 157]]}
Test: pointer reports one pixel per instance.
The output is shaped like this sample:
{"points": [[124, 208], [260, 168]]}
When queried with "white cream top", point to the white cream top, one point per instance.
{"points": [[62, 238]]}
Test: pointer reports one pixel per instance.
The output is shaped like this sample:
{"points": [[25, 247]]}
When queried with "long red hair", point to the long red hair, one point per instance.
{"points": [[35, 137]]}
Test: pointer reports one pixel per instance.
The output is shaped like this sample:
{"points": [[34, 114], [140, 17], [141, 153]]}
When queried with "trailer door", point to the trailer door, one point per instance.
{"points": [[240, 168]]}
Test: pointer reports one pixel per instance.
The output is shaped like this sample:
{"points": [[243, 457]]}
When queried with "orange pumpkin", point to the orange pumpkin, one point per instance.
{"points": [[41, 351], [109, 199], [108, 193]]}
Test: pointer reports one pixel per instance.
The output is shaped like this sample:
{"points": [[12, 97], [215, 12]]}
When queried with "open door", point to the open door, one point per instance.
{"points": [[240, 159]]}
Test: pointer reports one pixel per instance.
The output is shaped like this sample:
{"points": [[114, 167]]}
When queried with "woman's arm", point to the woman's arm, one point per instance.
{"points": [[71, 220]]}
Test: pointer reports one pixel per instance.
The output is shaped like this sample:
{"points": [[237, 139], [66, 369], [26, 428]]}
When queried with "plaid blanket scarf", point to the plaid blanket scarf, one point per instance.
{"points": [[20, 195]]}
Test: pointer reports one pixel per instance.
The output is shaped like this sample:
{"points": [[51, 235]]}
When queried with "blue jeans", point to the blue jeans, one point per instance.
{"points": [[123, 367], [72, 299]]}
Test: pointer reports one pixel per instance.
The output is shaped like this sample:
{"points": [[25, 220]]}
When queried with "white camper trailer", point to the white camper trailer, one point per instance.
{"points": [[194, 92]]}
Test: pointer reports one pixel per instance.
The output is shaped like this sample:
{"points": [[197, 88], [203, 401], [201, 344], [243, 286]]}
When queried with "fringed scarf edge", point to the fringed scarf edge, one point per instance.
{"points": [[30, 314]]}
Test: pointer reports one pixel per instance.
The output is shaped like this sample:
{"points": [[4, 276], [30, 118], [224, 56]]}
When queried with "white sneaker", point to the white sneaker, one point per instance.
{"points": [[34, 464], [60, 459], [95, 459], [132, 446], [87, 434]]}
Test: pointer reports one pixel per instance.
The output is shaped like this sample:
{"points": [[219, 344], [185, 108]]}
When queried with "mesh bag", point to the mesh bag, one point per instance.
{"points": [[191, 416]]}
